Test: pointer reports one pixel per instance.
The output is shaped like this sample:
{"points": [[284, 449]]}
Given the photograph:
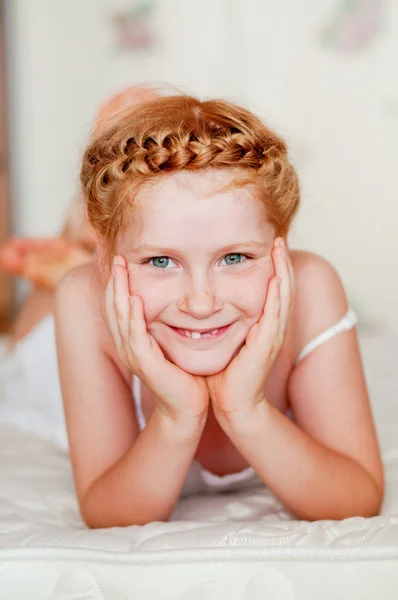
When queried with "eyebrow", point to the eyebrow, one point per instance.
{"points": [[161, 250]]}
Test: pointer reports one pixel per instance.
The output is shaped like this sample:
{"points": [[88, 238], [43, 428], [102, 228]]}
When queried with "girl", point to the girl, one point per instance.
{"points": [[240, 355], [197, 303]]}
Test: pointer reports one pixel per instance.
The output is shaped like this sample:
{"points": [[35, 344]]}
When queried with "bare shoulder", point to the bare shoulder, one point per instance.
{"points": [[81, 284], [78, 298], [78, 304], [320, 298]]}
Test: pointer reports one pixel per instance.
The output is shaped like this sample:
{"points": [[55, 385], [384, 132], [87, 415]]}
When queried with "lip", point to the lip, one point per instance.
{"points": [[217, 336]]}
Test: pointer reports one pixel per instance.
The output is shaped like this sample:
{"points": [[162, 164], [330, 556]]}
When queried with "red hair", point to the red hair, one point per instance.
{"points": [[173, 133]]}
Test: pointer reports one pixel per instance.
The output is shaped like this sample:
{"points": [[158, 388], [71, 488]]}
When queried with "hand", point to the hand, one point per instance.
{"points": [[239, 388], [181, 396]]}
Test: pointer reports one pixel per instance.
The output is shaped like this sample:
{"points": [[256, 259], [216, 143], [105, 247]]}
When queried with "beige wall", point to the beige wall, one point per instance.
{"points": [[338, 110]]}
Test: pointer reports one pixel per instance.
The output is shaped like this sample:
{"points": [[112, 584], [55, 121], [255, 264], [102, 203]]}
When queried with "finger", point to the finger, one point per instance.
{"points": [[292, 278], [121, 298], [269, 340], [138, 328], [130, 317], [110, 313], [138, 334], [264, 331], [270, 320], [292, 296], [262, 339], [282, 271]]}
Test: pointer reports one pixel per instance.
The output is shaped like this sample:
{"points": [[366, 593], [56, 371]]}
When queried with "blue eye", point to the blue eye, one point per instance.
{"points": [[234, 259], [160, 262]]}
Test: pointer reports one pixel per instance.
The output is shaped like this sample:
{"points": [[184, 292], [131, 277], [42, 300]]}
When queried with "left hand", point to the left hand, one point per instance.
{"points": [[239, 388]]}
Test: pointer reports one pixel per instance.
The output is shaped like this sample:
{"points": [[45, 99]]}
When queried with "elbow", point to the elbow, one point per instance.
{"points": [[90, 522], [371, 499], [92, 517], [95, 514], [366, 507], [104, 519], [93, 520], [364, 503], [372, 506], [365, 510], [100, 516]]}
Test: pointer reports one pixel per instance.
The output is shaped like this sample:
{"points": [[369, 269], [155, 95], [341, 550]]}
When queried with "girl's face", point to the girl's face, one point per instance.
{"points": [[201, 262]]}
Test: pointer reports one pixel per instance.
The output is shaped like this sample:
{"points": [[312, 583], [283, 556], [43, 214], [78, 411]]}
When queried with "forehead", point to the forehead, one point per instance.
{"points": [[196, 204]]}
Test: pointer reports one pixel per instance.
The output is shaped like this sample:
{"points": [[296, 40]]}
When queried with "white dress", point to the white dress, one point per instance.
{"points": [[30, 398]]}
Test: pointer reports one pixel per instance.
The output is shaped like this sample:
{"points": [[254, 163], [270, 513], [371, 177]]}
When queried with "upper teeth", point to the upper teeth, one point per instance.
{"points": [[196, 335]]}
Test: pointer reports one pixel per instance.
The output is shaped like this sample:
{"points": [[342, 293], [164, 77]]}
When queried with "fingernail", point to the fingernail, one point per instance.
{"points": [[281, 242]]}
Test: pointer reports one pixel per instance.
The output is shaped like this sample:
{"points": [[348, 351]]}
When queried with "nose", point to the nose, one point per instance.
{"points": [[199, 304]]}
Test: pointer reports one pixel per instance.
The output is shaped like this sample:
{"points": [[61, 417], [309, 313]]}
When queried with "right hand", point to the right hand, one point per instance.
{"points": [[179, 395]]}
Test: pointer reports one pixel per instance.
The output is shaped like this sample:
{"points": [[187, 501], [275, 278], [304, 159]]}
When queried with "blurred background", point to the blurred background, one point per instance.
{"points": [[323, 73]]}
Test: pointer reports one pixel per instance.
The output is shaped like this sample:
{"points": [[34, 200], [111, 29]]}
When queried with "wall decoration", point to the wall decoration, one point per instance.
{"points": [[135, 26], [355, 25]]}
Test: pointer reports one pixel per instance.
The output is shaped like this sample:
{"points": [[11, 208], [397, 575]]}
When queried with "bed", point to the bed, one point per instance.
{"points": [[237, 546]]}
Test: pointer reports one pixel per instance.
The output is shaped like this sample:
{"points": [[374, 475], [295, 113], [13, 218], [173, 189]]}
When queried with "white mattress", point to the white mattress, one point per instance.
{"points": [[233, 546]]}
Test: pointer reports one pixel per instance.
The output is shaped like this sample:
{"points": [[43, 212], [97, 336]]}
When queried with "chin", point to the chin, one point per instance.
{"points": [[203, 370], [202, 363]]}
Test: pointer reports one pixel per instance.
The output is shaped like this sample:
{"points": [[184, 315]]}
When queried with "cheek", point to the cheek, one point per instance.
{"points": [[152, 292], [249, 293], [251, 301]]}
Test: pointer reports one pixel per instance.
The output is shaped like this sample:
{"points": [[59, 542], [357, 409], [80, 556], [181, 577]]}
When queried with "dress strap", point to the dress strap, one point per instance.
{"points": [[137, 401], [348, 321]]}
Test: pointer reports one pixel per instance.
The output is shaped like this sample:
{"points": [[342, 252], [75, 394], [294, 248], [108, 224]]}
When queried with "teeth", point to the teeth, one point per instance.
{"points": [[196, 335]]}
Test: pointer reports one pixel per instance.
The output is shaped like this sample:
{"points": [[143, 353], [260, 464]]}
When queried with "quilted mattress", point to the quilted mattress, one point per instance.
{"points": [[243, 545]]}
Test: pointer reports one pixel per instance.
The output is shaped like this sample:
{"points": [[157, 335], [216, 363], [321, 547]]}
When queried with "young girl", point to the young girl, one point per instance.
{"points": [[223, 333], [199, 354]]}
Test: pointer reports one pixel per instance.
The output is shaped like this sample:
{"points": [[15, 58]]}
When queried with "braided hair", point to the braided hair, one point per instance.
{"points": [[175, 133]]}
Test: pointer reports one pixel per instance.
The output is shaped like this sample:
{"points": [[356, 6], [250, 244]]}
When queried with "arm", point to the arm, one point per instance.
{"points": [[314, 482], [145, 483], [325, 465], [121, 477]]}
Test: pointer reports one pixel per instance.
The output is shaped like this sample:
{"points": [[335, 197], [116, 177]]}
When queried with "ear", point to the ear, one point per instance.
{"points": [[102, 261]]}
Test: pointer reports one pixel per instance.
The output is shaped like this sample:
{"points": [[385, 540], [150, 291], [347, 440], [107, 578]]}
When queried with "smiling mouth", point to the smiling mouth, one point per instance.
{"points": [[201, 335]]}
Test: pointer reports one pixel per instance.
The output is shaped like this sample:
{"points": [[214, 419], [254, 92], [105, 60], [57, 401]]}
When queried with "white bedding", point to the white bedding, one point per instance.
{"points": [[234, 546]]}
